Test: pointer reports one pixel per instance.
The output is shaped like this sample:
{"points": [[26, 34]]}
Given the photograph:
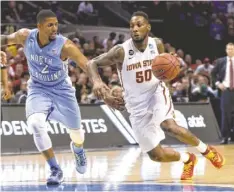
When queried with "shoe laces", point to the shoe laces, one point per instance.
{"points": [[54, 172], [81, 158], [187, 168], [212, 155]]}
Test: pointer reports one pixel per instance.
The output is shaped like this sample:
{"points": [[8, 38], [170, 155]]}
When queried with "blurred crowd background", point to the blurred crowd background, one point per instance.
{"points": [[196, 31]]}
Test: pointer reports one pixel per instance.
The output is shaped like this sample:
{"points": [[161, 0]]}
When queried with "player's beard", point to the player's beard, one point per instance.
{"points": [[141, 40]]}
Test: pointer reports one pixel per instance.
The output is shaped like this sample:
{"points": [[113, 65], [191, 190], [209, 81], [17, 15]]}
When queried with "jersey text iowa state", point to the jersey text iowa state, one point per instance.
{"points": [[138, 65]]}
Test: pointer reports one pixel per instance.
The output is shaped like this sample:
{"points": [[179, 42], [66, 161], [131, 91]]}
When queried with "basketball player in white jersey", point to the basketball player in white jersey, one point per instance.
{"points": [[147, 98]]}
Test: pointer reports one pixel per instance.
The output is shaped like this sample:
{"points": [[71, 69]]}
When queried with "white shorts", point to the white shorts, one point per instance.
{"points": [[146, 127]]}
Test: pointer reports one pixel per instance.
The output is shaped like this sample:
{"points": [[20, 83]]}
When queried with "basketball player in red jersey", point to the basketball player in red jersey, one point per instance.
{"points": [[147, 98]]}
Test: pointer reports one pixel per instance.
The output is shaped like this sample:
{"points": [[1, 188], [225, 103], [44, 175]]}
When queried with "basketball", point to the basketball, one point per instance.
{"points": [[165, 67]]}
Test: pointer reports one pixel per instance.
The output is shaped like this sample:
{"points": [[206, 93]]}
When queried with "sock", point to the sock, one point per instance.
{"points": [[77, 149], [202, 147], [53, 163], [184, 157]]}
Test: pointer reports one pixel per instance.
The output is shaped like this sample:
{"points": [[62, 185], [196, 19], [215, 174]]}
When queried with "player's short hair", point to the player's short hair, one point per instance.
{"points": [[43, 14], [142, 14]]}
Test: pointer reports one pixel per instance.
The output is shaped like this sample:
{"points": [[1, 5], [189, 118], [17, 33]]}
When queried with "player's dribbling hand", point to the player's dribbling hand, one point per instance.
{"points": [[3, 58], [100, 90], [178, 57], [114, 102]]}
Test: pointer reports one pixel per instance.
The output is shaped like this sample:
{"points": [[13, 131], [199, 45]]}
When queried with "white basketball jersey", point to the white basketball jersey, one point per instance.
{"points": [[136, 76]]}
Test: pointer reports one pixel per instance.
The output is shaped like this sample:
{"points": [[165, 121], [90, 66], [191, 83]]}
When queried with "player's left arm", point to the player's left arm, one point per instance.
{"points": [[70, 50], [160, 45]]}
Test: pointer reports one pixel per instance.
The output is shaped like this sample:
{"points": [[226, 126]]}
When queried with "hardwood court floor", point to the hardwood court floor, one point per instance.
{"points": [[118, 166]]}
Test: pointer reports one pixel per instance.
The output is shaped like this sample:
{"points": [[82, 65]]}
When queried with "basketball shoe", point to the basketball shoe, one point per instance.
{"points": [[189, 167], [56, 177], [80, 157], [214, 156]]}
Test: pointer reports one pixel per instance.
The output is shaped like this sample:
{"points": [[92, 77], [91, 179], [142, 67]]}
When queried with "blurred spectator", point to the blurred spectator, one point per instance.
{"points": [[200, 14], [85, 12], [217, 29], [82, 88], [76, 41], [114, 80], [206, 68], [107, 74], [180, 53], [110, 41], [167, 47], [202, 92], [230, 7], [171, 50], [230, 33], [21, 95], [121, 39], [73, 78], [85, 7], [198, 62], [21, 12], [188, 60], [220, 6], [78, 36], [179, 94], [96, 44], [19, 69]]}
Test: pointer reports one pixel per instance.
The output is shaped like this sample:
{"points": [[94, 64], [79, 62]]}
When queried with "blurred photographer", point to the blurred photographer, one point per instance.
{"points": [[202, 92]]}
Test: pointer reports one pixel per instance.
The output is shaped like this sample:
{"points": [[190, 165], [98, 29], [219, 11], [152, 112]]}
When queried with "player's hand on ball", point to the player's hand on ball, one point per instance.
{"points": [[3, 58]]}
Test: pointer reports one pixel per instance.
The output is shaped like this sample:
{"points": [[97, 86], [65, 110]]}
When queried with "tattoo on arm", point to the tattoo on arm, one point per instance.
{"points": [[114, 56]]}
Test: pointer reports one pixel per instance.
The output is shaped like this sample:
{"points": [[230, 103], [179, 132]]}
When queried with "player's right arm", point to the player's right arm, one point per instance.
{"points": [[113, 56], [18, 37], [100, 89]]}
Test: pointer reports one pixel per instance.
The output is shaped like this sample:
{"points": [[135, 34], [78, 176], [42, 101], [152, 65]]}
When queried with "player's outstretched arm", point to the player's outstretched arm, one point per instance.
{"points": [[70, 50], [113, 56], [100, 89], [18, 37]]}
